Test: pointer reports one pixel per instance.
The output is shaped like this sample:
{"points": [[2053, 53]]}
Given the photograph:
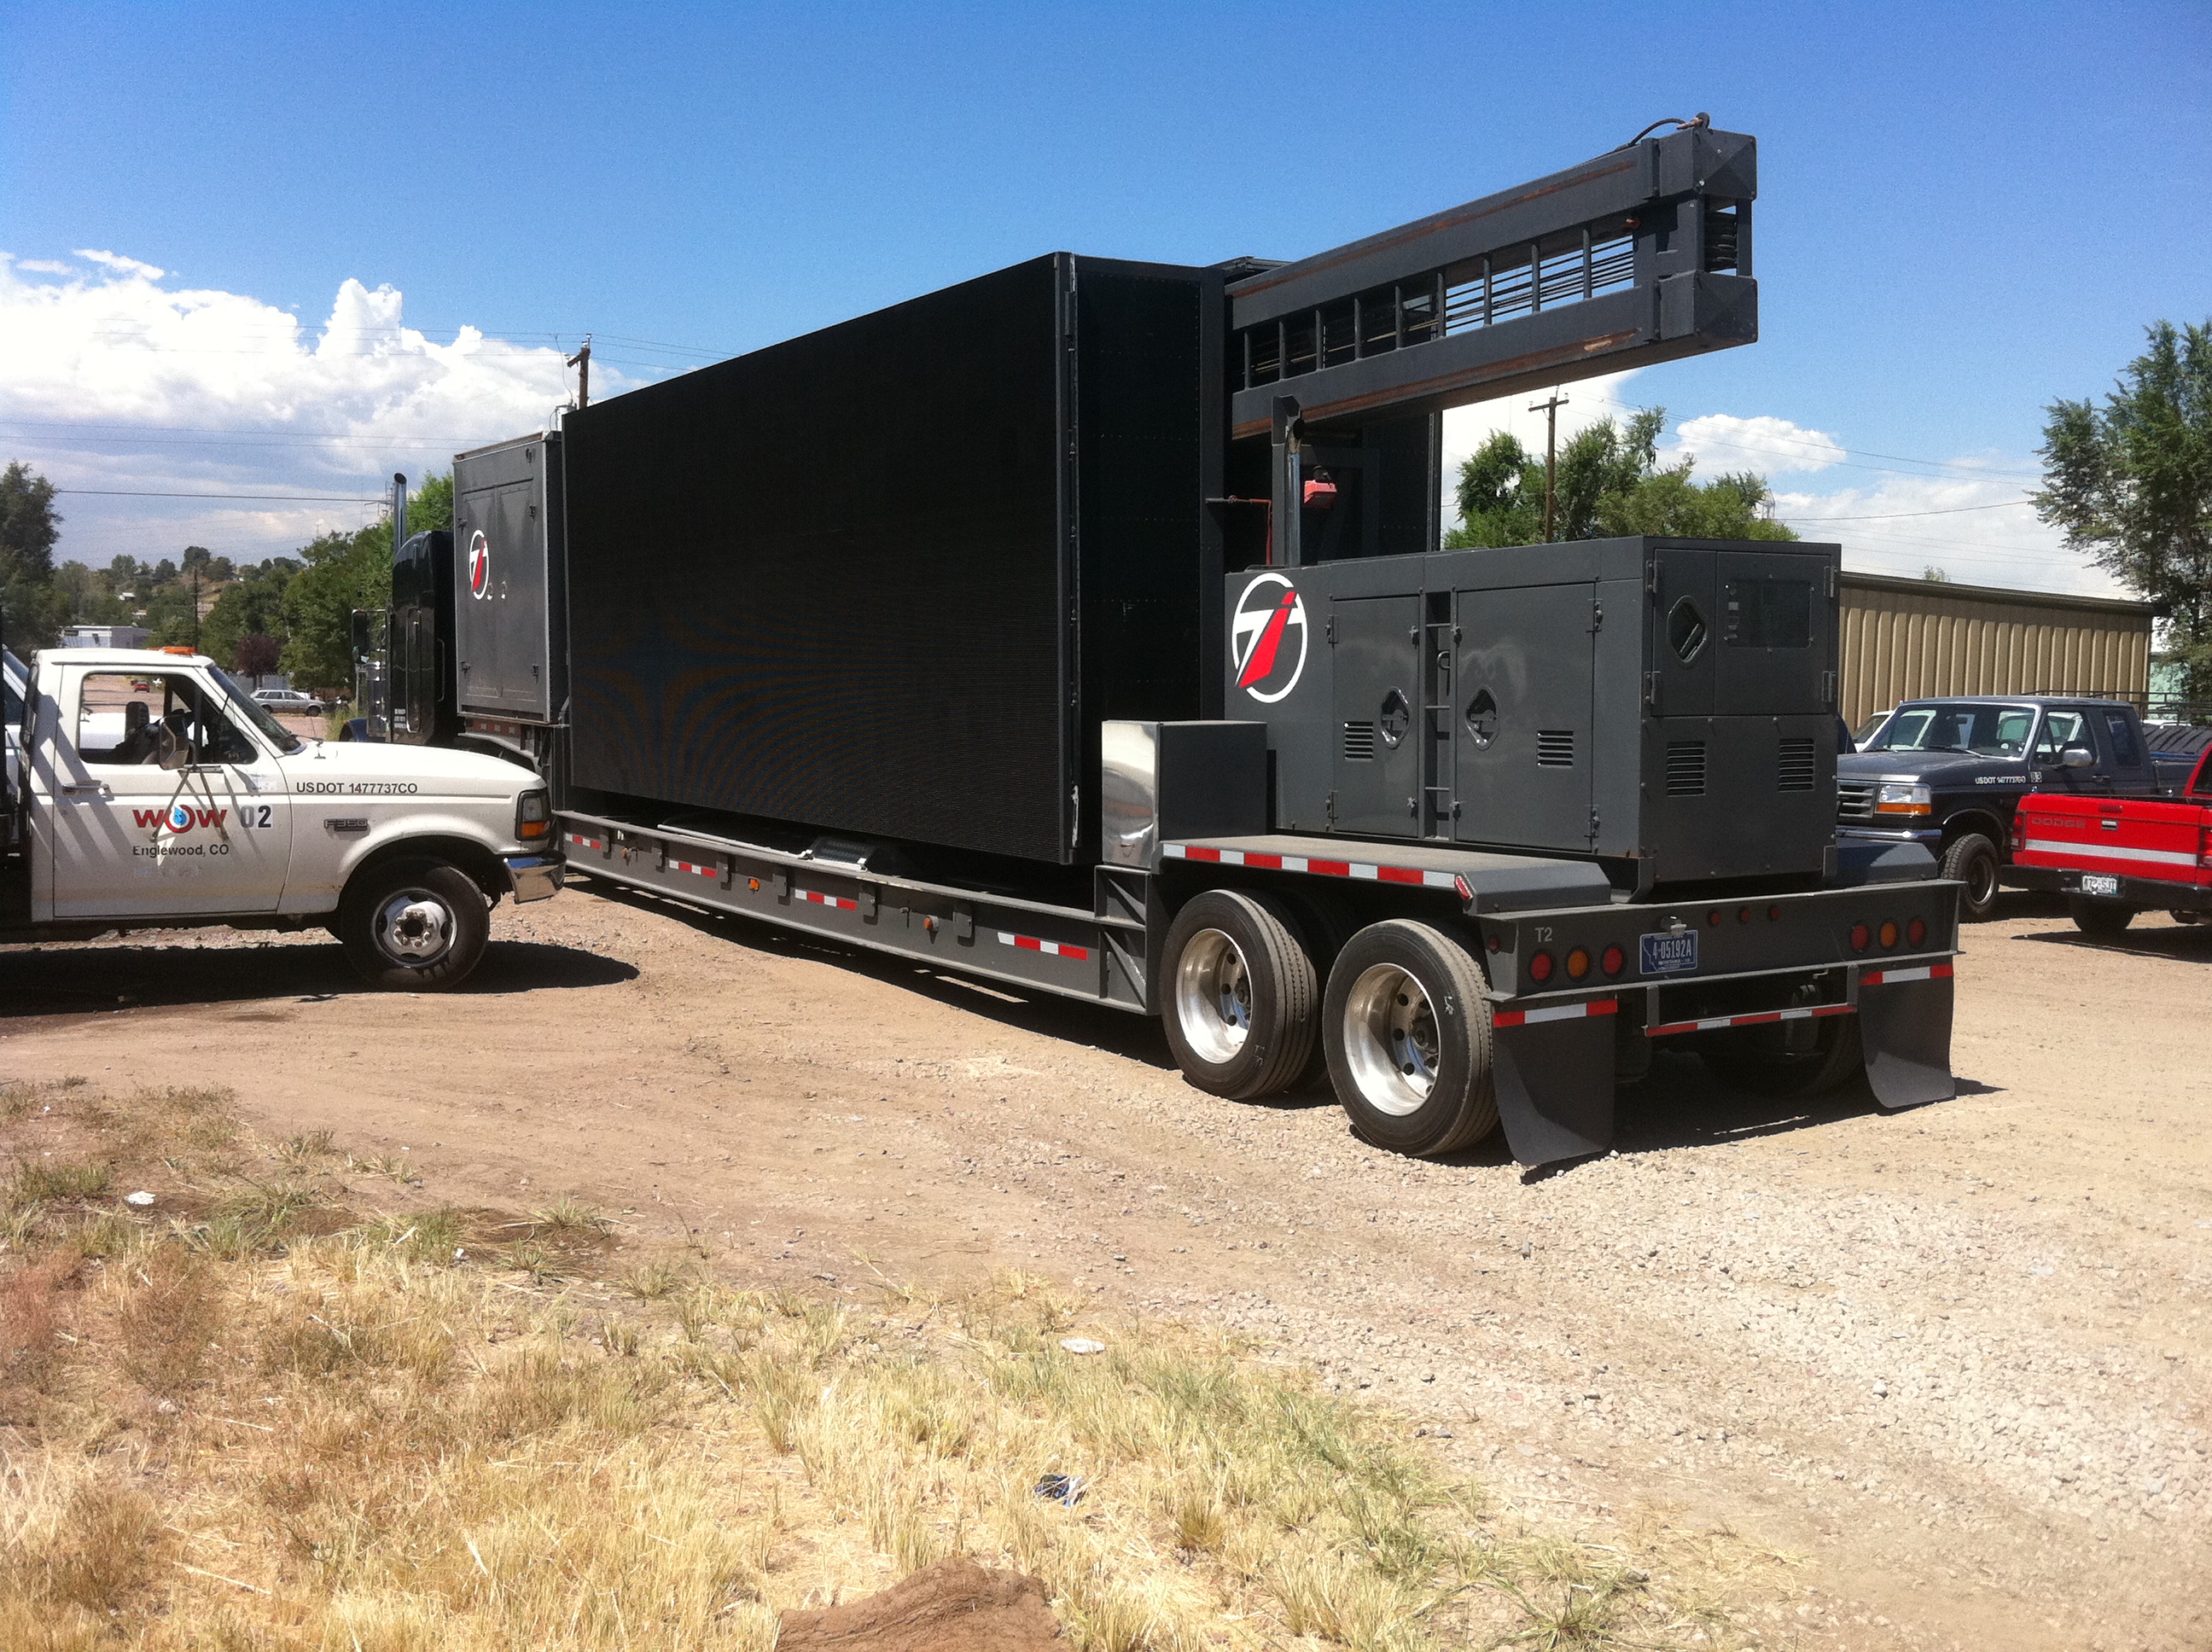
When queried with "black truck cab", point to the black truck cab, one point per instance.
{"points": [[1949, 773]]}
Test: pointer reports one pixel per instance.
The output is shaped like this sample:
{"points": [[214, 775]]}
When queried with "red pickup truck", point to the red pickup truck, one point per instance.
{"points": [[2114, 857]]}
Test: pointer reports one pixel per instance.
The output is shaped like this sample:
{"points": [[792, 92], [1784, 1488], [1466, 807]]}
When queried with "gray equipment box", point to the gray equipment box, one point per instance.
{"points": [[1666, 705], [509, 557]]}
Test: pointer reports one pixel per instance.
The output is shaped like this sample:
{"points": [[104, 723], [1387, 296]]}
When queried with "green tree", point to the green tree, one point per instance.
{"points": [[31, 613], [431, 506], [252, 607], [344, 571], [2130, 484], [1608, 482]]}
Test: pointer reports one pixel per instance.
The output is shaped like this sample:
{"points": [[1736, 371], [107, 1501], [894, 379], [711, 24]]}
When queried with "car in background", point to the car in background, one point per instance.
{"points": [[1948, 773], [290, 700]]}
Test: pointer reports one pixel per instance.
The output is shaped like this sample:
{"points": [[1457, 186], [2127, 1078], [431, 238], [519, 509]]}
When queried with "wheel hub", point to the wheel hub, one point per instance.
{"points": [[1213, 996], [414, 927], [1390, 1040]]}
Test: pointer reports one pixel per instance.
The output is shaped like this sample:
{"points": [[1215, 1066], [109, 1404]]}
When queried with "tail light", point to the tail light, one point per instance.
{"points": [[1861, 937], [533, 816], [1916, 932], [1540, 967], [1612, 960], [1888, 933], [1578, 963]]}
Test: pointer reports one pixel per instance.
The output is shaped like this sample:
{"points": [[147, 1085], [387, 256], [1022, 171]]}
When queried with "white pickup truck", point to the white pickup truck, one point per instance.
{"points": [[148, 790]]}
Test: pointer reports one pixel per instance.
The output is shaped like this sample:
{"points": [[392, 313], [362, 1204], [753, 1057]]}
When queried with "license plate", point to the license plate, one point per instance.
{"points": [[2099, 882], [1667, 955]]}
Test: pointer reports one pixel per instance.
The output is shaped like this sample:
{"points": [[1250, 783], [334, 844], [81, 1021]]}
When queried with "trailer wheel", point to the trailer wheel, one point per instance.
{"points": [[1972, 860], [1408, 1031], [413, 925], [1784, 1059], [1239, 992], [2104, 918]]}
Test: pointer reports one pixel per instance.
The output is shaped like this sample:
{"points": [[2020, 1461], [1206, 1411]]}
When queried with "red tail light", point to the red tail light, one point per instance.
{"points": [[1540, 966], [1861, 937], [1916, 932], [1612, 960]]}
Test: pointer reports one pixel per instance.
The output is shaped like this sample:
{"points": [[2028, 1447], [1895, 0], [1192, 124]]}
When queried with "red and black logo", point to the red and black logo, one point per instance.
{"points": [[1267, 638], [479, 566]]}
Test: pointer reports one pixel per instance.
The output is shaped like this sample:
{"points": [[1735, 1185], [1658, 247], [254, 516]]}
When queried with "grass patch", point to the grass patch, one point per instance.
{"points": [[410, 1433]]}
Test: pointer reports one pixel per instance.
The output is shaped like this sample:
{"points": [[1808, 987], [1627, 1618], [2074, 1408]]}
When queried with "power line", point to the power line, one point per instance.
{"points": [[138, 493], [1885, 516]]}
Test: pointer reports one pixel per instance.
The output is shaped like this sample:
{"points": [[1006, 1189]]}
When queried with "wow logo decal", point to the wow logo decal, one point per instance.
{"points": [[181, 817], [479, 566], [1267, 638]]}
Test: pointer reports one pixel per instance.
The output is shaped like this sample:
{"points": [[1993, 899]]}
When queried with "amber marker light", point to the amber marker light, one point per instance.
{"points": [[1578, 962], [1888, 933]]}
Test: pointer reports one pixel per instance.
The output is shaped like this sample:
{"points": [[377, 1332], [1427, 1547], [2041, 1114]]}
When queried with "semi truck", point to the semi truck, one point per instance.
{"points": [[1086, 628], [147, 789]]}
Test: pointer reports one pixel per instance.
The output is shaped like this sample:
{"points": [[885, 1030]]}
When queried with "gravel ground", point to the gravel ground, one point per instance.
{"points": [[1954, 1359]]}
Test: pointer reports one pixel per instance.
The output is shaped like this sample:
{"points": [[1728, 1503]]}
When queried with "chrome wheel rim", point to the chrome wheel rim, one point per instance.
{"points": [[414, 927], [1214, 997], [1391, 1041]]}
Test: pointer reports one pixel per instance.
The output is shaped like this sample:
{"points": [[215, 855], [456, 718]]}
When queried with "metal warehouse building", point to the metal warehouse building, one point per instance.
{"points": [[1907, 638]]}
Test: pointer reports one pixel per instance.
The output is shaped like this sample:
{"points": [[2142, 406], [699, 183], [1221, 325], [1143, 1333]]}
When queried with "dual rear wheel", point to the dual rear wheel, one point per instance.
{"points": [[1402, 1021]]}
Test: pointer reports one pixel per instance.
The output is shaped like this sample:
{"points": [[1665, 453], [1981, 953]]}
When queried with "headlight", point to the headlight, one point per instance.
{"points": [[1902, 800], [533, 816]]}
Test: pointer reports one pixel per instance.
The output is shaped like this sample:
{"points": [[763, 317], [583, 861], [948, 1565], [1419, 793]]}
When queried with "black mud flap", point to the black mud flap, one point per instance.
{"points": [[1555, 1087], [1905, 1027]]}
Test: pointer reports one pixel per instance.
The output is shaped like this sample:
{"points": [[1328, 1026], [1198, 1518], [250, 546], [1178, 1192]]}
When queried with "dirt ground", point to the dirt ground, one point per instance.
{"points": [[1955, 1361]]}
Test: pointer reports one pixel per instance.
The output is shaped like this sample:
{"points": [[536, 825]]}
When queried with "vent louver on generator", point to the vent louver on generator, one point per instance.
{"points": [[1358, 742], [1686, 768], [1796, 768], [1555, 748]]}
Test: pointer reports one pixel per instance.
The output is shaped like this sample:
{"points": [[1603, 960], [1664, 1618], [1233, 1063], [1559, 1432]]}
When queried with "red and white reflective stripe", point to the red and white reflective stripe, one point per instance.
{"points": [[1889, 977], [843, 902], [2107, 852], [715, 872], [1556, 1013], [582, 841], [1265, 862], [1032, 944], [1759, 1017]]}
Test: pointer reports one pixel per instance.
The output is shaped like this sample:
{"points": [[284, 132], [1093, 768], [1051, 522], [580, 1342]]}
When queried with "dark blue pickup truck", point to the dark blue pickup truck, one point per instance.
{"points": [[1949, 773]]}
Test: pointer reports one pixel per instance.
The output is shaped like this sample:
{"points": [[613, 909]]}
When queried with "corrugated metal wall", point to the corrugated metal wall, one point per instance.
{"points": [[1904, 639]]}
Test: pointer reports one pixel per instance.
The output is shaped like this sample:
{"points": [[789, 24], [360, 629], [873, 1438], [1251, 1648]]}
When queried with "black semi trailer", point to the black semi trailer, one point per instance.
{"points": [[1083, 627]]}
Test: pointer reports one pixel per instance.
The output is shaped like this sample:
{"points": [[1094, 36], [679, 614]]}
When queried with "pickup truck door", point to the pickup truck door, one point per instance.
{"points": [[126, 838], [2126, 766], [2065, 729]]}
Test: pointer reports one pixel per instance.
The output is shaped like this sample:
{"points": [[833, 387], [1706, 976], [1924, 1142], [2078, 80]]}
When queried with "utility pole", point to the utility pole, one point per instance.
{"points": [[1551, 411], [581, 361]]}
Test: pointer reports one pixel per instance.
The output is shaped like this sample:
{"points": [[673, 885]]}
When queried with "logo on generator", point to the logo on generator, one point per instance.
{"points": [[1267, 638], [479, 566]]}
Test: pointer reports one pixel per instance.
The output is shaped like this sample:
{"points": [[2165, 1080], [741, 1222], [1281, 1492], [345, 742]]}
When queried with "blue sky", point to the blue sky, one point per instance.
{"points": [[1965, 212]]}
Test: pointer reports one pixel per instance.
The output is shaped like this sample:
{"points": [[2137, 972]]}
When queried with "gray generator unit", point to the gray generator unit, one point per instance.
{"points": [[510, 624], [1666, 707]]}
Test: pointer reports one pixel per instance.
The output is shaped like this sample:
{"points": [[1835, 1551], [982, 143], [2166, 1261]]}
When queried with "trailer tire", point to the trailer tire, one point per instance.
{"points": [[1759, 1059], [1406, 1025], [2103, 918], [413, 925], [1240, 995], [1972, 860]]}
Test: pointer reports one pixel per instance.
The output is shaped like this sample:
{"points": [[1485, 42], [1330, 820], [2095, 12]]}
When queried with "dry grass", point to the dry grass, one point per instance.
{"points": [[271, 1423]]}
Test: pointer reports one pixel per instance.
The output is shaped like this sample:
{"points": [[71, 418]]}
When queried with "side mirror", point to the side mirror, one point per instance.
{"points": [[174, 751], [2075, 757]]}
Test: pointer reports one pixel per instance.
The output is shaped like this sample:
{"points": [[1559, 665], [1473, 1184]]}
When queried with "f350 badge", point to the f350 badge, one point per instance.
{"points": [[1267, 638], [479, 566]]}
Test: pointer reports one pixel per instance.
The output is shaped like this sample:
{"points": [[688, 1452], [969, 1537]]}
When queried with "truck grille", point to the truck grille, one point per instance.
{"points": [[1358, 742], [1796, 768], [1555, 748], [1855, 800], [1686, 768]]}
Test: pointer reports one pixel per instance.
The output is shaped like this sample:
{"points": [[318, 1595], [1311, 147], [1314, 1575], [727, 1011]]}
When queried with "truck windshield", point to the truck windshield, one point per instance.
{"points": [[258, 715], [1986, 730]]}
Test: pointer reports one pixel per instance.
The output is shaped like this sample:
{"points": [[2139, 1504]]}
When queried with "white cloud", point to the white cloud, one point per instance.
{"points": [[45, 266], [120, 264], [1721, 441], [117, 380]]}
